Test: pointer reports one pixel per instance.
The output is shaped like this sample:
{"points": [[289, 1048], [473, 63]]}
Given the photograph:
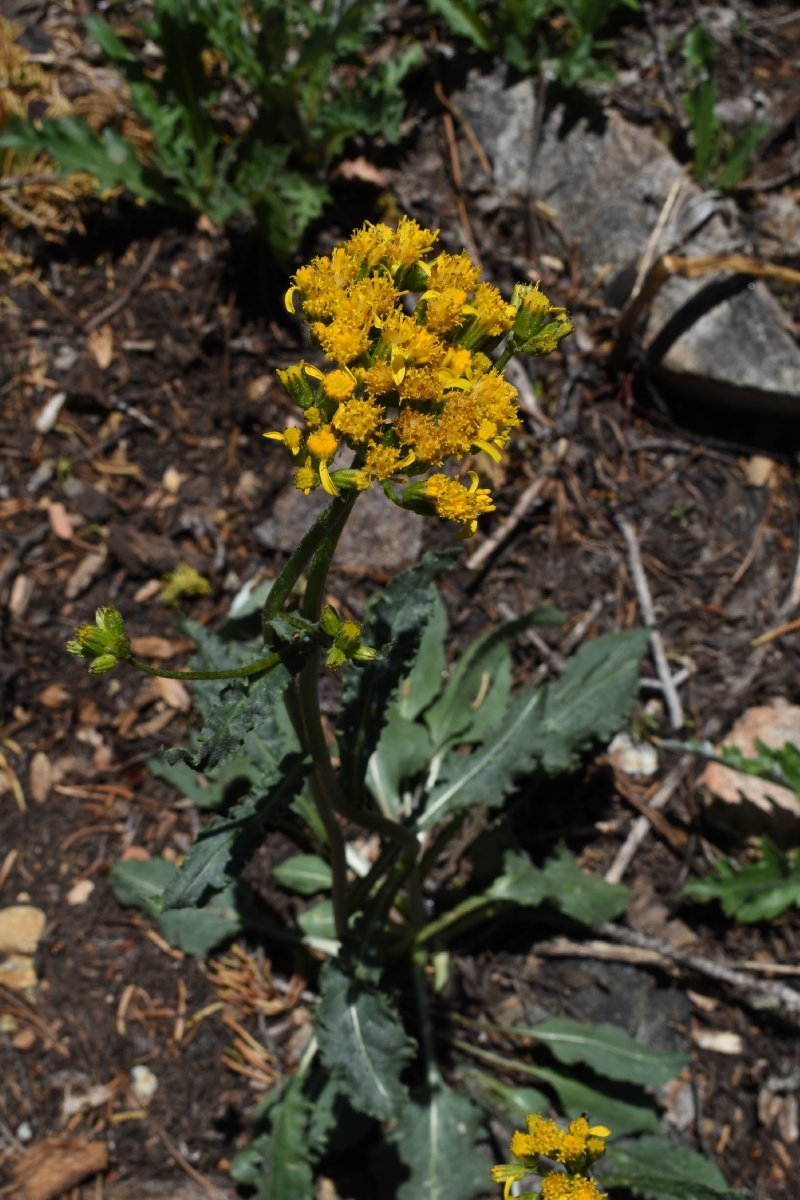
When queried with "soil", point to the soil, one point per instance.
{"points": [[163, 339]]}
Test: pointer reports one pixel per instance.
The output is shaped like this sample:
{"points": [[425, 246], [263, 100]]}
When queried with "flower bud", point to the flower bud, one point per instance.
{"points": [[104, 643]]}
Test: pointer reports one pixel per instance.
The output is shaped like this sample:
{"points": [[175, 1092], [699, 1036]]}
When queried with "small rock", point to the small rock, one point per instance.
{"points": [[378, 533], [80, 892], [632, 758], [144, 1083], [21, 929]]}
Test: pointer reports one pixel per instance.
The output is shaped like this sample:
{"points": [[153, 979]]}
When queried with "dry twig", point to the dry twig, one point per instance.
{"points": [[671, 697]]}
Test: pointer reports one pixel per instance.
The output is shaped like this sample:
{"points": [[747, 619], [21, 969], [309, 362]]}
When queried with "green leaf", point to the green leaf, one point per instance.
{"points": [[287, 1165], [593, 698], [512, 1100], [242, 707], [108, 41], [758, 891], [75, 147], [137, 884], [362, 1042], [197, 931], [607, 1049], [575, 1096], [584, 897], [464, 21], [304, 873], [318, 925], [737, 159], [395, 619], [403, 752], [548, 726], [436, 1138], [475, 698], [424, 681], [488, 775], [657, 1169], [520, 881], [228, 842]]}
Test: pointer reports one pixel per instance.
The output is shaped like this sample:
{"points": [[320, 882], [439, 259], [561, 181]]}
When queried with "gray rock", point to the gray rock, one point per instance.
{"points": [[721, 338], [378, 534]]}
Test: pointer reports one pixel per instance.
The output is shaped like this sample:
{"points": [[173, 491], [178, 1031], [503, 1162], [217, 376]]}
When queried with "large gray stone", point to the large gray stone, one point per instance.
{"points": [[721, 338]]}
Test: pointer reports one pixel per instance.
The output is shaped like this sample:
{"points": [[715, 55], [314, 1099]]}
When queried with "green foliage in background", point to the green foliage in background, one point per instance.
{"points": [[756, 891], [531, 34], [763, 889], [247, 106], [721, 158]]}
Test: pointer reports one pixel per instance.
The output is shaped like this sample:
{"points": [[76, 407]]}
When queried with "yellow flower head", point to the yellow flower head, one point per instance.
{"points": [[405, 334]]}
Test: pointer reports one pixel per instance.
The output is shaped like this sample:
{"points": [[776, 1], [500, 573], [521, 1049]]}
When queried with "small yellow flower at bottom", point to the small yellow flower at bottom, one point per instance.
{"points": [[570, 1187]]}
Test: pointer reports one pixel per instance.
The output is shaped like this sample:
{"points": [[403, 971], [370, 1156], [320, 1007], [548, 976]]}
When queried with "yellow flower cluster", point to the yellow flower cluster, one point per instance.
{"points": [[576, 1149], [410, 385]]}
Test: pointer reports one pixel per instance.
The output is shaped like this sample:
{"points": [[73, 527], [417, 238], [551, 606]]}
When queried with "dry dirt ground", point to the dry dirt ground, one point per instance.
{"points": [[163, 341]]}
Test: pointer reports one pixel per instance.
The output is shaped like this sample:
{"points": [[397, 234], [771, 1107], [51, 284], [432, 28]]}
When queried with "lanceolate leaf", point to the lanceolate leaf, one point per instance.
{"points": [[362, 1042], [287, 1158], [475, 697], [575, 1096], [487, 776], [592, 699], [436, 1138], [607, 1049], [657, 1169], [587, 898], [225, 845], [395, 621], [548, 726]]}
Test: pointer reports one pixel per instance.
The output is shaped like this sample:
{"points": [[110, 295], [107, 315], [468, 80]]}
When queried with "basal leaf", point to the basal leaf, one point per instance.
{"points": [[592, 700], [548, 726], [403, 752], [657, 1169], [362, 1042], [510, 1100], [227, 843], [287, 1169], [198, 930], [304, 873], [575, 1096], [424, 680], [488, 775], [607, 1049], [584, 897], [436, 1138], [394, 620], [475, 696], [142, 885], [520, 881]]}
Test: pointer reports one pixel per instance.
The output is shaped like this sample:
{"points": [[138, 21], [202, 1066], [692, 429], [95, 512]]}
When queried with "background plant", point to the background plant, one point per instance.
{"points": [[245, 108], [563, 35], [721, 158], [767, 886]]}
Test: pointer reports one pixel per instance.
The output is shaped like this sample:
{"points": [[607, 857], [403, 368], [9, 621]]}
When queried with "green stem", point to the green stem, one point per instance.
{"points": [[259, 667], [328, 525], [427, 1040]]}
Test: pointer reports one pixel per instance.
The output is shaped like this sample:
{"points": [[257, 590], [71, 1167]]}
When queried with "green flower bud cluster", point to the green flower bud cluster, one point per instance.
{"points": [[346, 637], [105, 643]]}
